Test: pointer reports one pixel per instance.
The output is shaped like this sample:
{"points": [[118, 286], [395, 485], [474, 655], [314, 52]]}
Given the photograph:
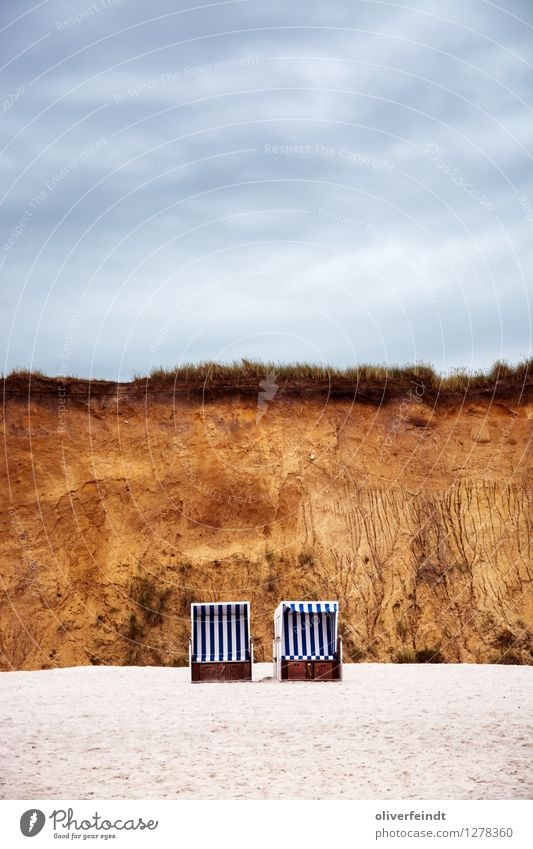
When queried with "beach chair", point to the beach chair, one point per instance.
{"points": [[221, 648], [307, 646]]}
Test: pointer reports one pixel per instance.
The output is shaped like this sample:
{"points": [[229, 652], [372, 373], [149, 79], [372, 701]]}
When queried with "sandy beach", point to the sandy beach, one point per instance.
{"points": [[386, 731]]}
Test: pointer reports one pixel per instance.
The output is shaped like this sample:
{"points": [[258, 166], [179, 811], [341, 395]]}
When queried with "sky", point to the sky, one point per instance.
{"points": [[338, 182]]}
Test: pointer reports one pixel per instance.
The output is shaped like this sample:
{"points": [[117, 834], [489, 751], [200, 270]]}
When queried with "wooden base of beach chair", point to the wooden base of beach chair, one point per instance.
{"points": [[222, 671], [310, 670]]}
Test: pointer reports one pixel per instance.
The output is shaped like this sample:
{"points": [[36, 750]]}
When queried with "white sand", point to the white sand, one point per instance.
{"points": [[387, 731]]}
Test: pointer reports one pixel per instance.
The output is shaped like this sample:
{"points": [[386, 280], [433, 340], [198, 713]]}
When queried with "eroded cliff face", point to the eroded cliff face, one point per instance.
{"points": [[121, 506]]}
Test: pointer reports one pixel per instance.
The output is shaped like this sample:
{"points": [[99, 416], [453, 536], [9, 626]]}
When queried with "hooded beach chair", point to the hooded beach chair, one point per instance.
{"points": [[307, 646], [221, 648]]}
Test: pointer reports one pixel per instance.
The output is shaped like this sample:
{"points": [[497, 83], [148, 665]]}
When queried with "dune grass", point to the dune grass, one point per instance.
{"points": [[366, 374], [455, 380], [25, 373]]}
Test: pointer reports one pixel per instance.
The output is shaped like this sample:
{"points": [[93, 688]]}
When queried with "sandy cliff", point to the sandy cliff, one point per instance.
{"points": [[122, 504]]}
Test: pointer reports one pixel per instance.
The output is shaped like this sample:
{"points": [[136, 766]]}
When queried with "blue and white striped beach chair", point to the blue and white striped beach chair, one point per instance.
{"points": [[307, 646], [221, 648]]}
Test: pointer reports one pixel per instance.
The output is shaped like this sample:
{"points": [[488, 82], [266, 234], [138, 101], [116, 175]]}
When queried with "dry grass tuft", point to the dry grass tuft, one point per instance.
{"points": [[25, 373]]}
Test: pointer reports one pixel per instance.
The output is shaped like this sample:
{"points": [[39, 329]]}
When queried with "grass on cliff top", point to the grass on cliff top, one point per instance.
{"points": [[456, 380]]}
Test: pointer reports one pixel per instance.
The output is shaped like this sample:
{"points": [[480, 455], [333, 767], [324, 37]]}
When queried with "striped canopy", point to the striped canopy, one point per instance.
{"points": [[311, 606], [220, 632], [309, 630]]}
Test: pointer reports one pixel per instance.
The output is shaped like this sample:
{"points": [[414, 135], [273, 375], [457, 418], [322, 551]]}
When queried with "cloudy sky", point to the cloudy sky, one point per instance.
{"points": [[339, 182]]}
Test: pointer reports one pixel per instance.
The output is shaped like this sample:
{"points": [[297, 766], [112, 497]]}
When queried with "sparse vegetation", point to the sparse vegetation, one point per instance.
{"points": [[429, 655], [135, 629], [305, 558], [404, 656], [511, 658], [372, 650], [151, 600], [505, 639], [25, 373], [354, 655], [513, 647], [180, 659], [426, 655], [185, 567], [401, 629], [273, 573], [186, 599]]}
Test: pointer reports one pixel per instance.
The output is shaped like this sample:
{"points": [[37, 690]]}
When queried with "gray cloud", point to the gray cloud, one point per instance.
{"points": [[304, 180]]}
